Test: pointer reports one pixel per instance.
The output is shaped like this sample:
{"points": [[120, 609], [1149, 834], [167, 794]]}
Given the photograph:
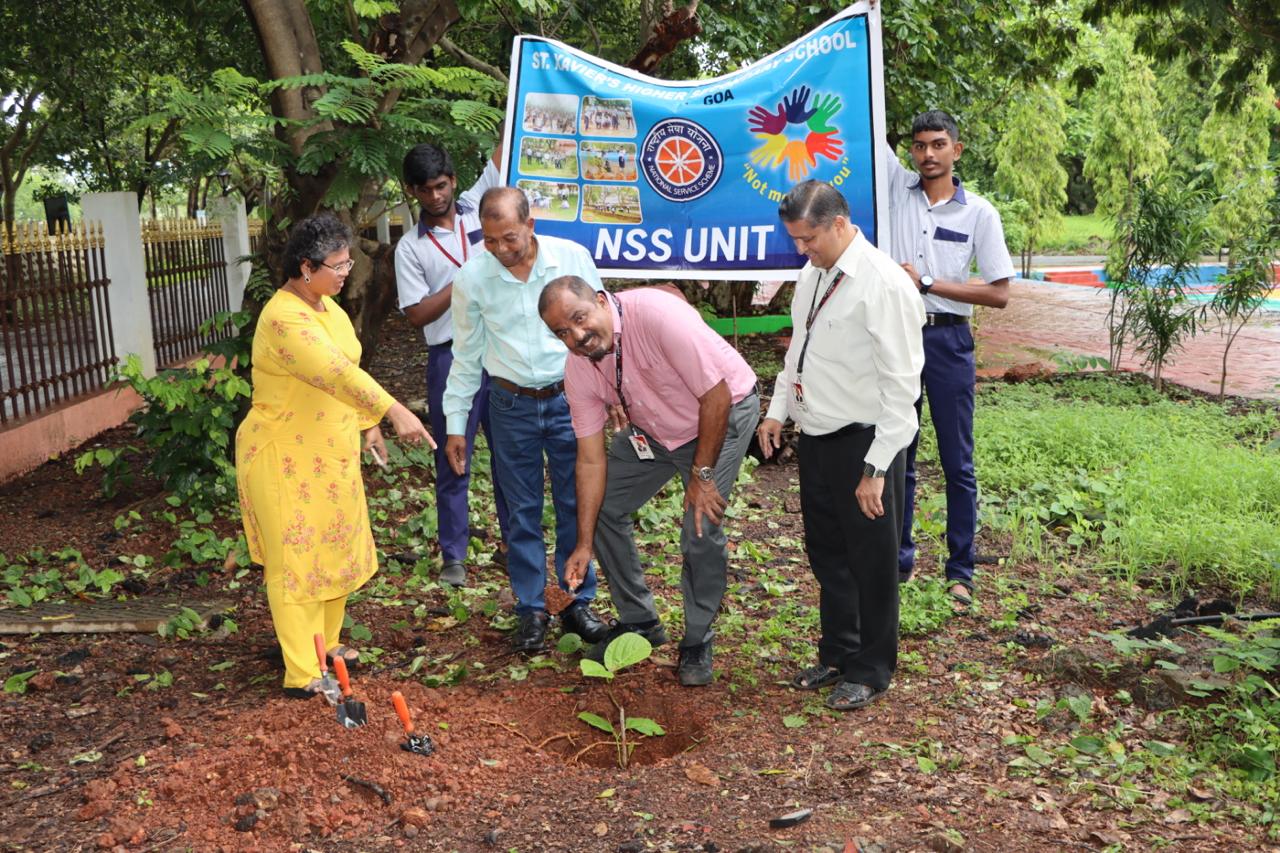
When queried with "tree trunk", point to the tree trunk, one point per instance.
{"points": [[666, 35]]}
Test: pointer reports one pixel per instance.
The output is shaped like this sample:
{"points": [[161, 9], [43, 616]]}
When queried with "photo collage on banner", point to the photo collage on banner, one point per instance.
{"points": [[682, 179]]}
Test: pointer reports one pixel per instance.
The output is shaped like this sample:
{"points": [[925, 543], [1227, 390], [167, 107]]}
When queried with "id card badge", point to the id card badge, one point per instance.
{"points": [[797, 396], [641, 446]]}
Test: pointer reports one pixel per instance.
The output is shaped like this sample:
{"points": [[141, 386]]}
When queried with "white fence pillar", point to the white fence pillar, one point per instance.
{"points": [[384, 228], [235, 245], [127, 269], [406, 216]]}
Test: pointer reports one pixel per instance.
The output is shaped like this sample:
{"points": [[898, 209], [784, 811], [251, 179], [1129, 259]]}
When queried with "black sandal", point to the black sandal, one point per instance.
{"points": [[850, 696], [310, 691], [962, 602], [815, 677]]}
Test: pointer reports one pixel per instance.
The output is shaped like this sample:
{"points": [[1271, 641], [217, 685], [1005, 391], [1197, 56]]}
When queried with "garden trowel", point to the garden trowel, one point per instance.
{"points": [[351, 713], [328, 685], [421, 744]]}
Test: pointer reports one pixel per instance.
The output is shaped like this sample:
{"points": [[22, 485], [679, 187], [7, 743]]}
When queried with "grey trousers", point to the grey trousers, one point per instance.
{"points": [[631, 483]]}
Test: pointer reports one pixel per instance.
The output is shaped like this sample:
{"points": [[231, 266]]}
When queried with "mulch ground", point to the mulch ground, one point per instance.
{"points": [[218, 761]]}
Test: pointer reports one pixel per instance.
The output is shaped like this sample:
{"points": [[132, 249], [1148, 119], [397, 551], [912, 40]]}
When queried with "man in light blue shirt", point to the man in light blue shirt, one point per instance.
{"points": [[497, 328]]}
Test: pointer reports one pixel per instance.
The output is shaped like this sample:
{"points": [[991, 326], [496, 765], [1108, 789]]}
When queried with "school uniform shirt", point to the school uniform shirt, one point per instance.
{"points": [[943, 240], [497, 327], [670, 358], [424, 268], [865, 351]]}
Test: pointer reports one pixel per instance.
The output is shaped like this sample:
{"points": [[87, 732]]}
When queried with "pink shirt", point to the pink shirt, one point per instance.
{"points": [[670, 358]]}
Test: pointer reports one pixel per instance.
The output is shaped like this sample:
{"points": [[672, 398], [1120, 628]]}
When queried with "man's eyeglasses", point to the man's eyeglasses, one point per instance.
{"points": [[344, 267]]}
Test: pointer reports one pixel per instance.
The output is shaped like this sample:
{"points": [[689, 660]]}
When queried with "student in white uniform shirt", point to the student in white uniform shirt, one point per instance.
{"points": [[850, 382], [427, 257]]}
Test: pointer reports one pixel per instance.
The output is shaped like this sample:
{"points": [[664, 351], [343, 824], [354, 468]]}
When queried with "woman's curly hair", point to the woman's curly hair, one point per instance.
{"points": [[314, 239]]}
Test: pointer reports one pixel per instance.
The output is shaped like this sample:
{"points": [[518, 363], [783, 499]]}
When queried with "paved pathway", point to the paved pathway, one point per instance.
{"points": [[1044, 318]]}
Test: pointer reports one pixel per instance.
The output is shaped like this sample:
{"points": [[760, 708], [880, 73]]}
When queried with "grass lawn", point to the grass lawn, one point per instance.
{"points": [[1084, 234]]}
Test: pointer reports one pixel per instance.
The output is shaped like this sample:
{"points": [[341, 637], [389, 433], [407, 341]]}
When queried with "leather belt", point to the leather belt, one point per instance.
{"points": [[536, 393], [946, 320]]}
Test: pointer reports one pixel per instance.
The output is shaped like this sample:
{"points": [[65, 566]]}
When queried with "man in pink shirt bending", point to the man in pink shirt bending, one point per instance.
{"points": [[690, 403]]}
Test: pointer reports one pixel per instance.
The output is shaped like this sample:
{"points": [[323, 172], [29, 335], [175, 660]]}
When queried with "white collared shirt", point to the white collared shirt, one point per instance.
{"points": [[944, 240], [864, 361], [423, 269]]}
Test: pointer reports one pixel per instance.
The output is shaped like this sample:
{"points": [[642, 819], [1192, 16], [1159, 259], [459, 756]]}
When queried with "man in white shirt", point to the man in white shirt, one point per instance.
{"points": [[850, 382], [427, 258]]}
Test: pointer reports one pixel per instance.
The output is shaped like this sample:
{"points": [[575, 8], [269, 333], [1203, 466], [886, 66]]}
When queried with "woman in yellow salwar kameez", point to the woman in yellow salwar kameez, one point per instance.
{"points": [[298, 452]]}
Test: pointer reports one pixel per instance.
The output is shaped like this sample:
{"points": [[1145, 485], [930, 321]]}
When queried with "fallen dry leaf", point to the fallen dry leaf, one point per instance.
{"points": [[701, 775], [601, 829]]}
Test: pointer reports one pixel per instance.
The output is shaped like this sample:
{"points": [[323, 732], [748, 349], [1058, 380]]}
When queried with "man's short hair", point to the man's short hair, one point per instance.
{"points": [[573, 284], [815, 202], [936, 120], [426, 162], [497, 202]]}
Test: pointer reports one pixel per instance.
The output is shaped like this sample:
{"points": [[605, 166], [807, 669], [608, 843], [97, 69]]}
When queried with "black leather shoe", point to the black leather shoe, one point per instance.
{"points": [[694, 668], [532, 633], [580, 620], [454, 573], [655, 634]]}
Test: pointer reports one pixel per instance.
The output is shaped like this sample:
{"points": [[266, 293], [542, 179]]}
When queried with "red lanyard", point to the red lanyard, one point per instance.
{"points": [[814, 308], [462, 239]]}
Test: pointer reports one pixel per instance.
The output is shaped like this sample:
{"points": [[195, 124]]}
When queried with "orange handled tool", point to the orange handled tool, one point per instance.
{"points": [[420, 744], [351, 713], [328, 686]]}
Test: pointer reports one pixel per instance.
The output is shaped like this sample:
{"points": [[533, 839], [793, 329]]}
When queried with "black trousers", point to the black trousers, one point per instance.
{"points": [[854, 558]]}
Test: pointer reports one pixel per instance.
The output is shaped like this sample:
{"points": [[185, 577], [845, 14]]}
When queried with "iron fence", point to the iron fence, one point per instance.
{"points": [[186, 285], [55, 323]]}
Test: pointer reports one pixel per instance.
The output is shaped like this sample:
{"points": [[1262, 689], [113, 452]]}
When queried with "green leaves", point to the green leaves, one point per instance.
{"points": [[626, 650], [18, 683]]}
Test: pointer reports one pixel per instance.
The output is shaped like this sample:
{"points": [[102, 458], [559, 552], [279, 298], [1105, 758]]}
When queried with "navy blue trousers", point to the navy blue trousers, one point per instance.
{"points": [[526, 431], [948, 381], [451, 490]]}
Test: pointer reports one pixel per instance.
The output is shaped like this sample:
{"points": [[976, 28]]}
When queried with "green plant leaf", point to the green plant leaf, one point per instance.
{"points": [[18, 683], [1088, 744], [626, 650], [1040, 756], [596, 720], [795, 721], [594, 670], [926, 764], [645, 726], [569, 644]]}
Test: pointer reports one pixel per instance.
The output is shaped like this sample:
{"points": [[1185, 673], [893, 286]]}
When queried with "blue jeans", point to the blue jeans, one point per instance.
{"points": [[948, 380], [451, 490], [524, 431]]}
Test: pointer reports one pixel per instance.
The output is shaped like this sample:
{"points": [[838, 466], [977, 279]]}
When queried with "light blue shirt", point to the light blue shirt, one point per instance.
{"points": [[496, 326]]}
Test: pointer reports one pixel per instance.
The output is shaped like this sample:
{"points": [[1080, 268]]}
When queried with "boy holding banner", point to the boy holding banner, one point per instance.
{"points": [[427, 258], [938, 231]]}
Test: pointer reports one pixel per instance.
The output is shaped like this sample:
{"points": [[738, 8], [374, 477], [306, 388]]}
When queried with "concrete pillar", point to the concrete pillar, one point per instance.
{"points": [[406, 216], [127, 270], [384, 228], [235, 245]]}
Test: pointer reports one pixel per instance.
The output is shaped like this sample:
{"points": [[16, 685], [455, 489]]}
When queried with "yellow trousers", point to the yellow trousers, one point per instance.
{"points": [[296, 627]]}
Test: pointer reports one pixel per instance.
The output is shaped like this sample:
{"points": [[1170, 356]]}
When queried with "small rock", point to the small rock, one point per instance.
{"points": [[41, 681], [491, 837], [432, 804], [266, 798], [247, 822], [44, 740], [106, 841], [410, 831], [414, 816], [172, 730], [635, 845]]}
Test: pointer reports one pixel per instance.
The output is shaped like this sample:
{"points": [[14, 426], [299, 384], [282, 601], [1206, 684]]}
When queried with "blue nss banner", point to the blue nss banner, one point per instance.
{"points": [[682, 179]]}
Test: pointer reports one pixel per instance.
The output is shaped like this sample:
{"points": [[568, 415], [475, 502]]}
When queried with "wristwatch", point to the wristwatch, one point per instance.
{"points": [[869, 470], [706, 475], [926, 284]]}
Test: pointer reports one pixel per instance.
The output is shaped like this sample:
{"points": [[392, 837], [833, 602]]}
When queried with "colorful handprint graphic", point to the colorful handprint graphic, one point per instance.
{"points": [[797, 132]]}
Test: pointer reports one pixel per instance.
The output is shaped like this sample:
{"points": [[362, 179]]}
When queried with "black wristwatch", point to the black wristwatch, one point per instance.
{"points": [[869, 470], [926, 284]]}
